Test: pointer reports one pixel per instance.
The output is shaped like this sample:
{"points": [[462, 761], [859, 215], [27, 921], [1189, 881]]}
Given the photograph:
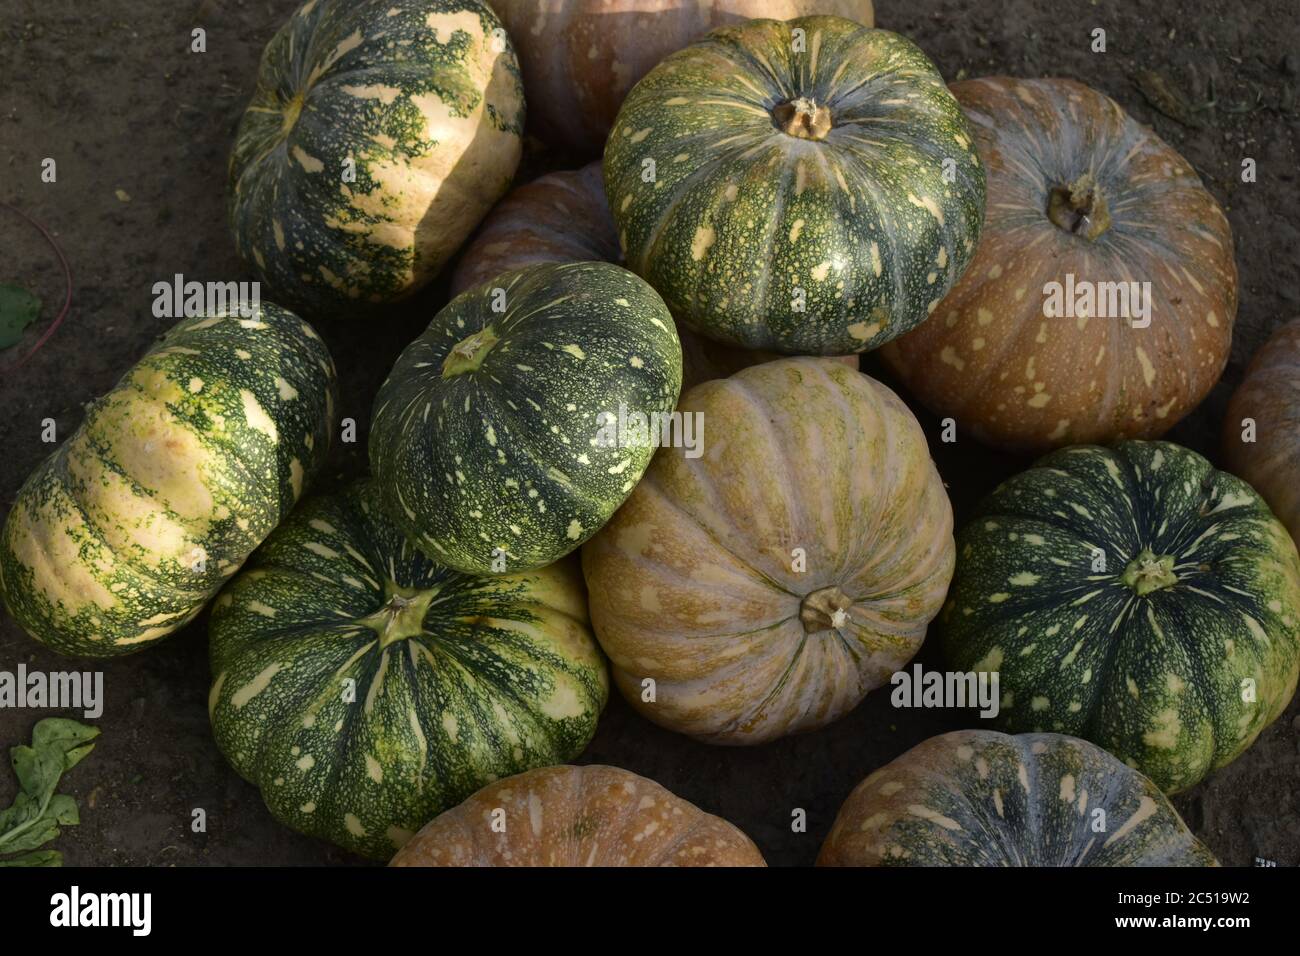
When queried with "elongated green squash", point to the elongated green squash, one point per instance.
{"points": [[366, 689], [123, 534]]}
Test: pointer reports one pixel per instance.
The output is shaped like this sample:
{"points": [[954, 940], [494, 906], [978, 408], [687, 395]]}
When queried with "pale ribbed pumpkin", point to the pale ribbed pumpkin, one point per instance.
{"points": [[1076, 188], [768, 585], [577, 816], [563, 217], [981, 798], [580, 57], [380, 133], [1270, 396]]}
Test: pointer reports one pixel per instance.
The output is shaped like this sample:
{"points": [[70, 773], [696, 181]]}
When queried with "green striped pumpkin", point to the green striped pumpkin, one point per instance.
{"points": [[123, 534], [806, 186], [487, 440], [980, 798], [365, 689], [1135, 597], [379, 134]]}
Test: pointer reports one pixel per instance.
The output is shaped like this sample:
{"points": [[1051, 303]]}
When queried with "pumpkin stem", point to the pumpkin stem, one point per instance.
{"points": [[825, 609], [468, 354], [802, 118], [1147, 573], [1079, 208], [402, 615]]}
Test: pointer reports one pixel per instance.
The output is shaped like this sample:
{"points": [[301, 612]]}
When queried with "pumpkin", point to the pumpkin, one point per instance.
{"points": [[364, 689], [491, 440], [581, 57], [980, 798], [1135, 597], [1268, 403], [804, 187], [577, 816], [1044, 341], [122, 535], [563, 217], [763, 588], [379, 134]]}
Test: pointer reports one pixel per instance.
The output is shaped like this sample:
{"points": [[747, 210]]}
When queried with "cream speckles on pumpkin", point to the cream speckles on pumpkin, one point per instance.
{"points": [[980, 798]]}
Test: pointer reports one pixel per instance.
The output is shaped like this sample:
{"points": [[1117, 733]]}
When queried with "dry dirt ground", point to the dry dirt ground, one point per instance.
{"points": [[140, 129]]}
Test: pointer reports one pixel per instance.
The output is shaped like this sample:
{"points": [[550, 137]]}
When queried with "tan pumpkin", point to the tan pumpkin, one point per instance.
{"points": [[563, 217], [581, 57], [766, 586], [1079, 194], [1270, 396], [577, 816]]}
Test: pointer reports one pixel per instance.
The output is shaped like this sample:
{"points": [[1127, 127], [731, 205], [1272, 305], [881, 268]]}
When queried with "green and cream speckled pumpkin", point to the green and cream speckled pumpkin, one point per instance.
{"points": [[980, 798], [365, 689], [806, 187], [123, 534], [766, 586], [581, 57], [1083, 196], [1135, 597], [1266, 408], [380, 133], [563, 217], [489, 440], [578, 816]]}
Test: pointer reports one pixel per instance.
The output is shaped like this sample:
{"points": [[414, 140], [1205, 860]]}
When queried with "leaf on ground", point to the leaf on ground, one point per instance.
{"points": [[18, 309], [58, 745]]}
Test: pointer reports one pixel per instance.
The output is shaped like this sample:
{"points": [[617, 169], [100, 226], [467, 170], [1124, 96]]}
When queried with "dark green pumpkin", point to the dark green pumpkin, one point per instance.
{"points": [[121, 536], [380, 133], [487, 441], [806, 186], [365, 689], [1135, 597], [980, 798]]}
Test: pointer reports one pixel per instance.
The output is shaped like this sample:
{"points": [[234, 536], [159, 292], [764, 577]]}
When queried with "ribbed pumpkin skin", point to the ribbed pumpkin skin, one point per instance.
{"points": [[980, 798], [1270, 394], [578, 816], [424, 97], [693, 583], [123, 534], [581, 57], [470, 680], [763, 239], [563, 217], [502, 462], [1148, 662], [1020, 380]]}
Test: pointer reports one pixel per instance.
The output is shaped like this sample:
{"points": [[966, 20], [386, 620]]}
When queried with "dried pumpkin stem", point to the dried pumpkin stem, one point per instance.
{"points": [[1079, 208], [802, 118], [825, 609]]}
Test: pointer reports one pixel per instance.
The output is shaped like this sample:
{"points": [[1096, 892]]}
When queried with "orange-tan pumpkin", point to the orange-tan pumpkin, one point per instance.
{"points": [[1269, 397], [1031, 349], [577, 816], [563, 217], [764, 587], [580, 57]]}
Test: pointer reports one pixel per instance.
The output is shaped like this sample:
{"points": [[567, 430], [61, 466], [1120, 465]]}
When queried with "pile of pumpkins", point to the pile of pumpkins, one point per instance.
{"points": [[776, 197]]}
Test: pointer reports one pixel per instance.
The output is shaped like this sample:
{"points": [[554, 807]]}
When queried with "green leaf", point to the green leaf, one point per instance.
{"points": [[39, 858], [18, 309], [58, 745]]}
